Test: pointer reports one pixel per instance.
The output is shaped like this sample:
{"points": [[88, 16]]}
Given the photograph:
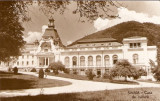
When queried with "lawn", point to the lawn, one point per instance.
{"points": [[83, 77], [136, 94], [156, 82], [11, 81]]}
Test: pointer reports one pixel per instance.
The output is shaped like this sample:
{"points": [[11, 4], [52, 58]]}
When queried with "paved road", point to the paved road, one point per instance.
{"points": [[76, 86]]}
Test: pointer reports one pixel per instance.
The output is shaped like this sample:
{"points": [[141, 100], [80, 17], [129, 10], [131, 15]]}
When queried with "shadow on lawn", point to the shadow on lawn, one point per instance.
{"points": [[58, 97], [11, 84]]}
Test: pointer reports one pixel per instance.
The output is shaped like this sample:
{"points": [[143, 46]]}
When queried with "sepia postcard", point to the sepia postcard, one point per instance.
{"points": [[79, 50]]}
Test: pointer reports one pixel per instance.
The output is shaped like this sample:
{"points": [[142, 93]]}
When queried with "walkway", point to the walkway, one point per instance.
{"points": [[76, 86]]}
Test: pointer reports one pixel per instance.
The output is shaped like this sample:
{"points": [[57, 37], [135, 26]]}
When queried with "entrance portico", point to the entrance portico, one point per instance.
{"points": [[45, 60]]}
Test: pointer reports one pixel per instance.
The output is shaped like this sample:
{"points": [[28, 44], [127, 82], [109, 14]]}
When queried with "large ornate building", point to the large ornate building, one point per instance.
{"points": [[99, 54]]}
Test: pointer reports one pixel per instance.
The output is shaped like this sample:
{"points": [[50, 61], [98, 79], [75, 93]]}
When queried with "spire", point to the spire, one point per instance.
{"points": [[51, 22]]}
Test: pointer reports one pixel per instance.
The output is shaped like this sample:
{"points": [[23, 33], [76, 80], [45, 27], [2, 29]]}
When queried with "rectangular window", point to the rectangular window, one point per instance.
{"points": [[131, 45], [135, 45], [139, 44]]}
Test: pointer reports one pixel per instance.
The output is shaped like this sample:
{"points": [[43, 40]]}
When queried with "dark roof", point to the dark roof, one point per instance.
{"points": [[97, 40], [133, 37], [93, 40], [51, 32]]}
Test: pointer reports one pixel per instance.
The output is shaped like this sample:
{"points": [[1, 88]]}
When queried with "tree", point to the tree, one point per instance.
{"points": [[90, 74], [15, 70], [55, 66], [14, 12], [123, 68], [156, 69], [41, 73], [89, 9], [11, 30]]}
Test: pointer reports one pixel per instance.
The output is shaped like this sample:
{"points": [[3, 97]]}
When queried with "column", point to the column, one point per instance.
{"points": [[45, 61], [86, 61], [102, 60], [48, 61], [70, 61]]}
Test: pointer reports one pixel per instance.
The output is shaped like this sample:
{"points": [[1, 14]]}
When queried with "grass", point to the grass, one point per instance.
{"points": [[10, 81], [83, 77], [140, 94], [149, 81]]}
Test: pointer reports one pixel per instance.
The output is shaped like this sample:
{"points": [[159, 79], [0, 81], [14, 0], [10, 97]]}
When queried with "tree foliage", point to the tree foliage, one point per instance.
{"points": [[156, 69], [15, 70], [57, 66], [41, 73], [123, 68], [90, 74], [11, 30], [89, 9], [14, 12]]}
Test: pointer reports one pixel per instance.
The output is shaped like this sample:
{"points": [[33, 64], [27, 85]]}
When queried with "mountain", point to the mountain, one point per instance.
{"points": [[128, 29]]}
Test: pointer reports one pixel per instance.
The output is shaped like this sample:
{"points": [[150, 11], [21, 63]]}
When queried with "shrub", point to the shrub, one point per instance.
{"points": [[124, 69], [15, 70], [41, 73], [156, 73], [142, 72], [33, 70], [55, 71], [107, 76], [57, 65], [47, 70], [139, 73], [67, 71], [90, 74]]}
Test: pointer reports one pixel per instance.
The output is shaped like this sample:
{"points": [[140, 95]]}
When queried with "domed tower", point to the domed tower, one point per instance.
{"points": [[51, 33], [49, 46]]}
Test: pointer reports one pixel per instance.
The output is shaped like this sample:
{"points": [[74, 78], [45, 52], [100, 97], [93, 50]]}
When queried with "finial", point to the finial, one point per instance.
{"points": [[51, 22]]}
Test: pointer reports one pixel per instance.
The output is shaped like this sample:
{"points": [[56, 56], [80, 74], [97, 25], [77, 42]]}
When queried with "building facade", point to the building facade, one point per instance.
{"points": [[99, 54]]}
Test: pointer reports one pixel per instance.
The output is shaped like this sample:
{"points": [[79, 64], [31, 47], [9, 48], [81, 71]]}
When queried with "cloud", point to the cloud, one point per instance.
{"points": [[124, 16], [32, 36]]}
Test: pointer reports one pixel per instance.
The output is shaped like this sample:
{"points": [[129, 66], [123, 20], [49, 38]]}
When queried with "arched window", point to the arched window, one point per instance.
{"points": [[135, 58], [66, 61], [98, 60], [82, 61], [115, 59], [106, 60], [90, 61], [74, 61]]}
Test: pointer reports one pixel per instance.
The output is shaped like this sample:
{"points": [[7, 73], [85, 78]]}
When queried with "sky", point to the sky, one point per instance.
{"points": [[70, 29]]}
